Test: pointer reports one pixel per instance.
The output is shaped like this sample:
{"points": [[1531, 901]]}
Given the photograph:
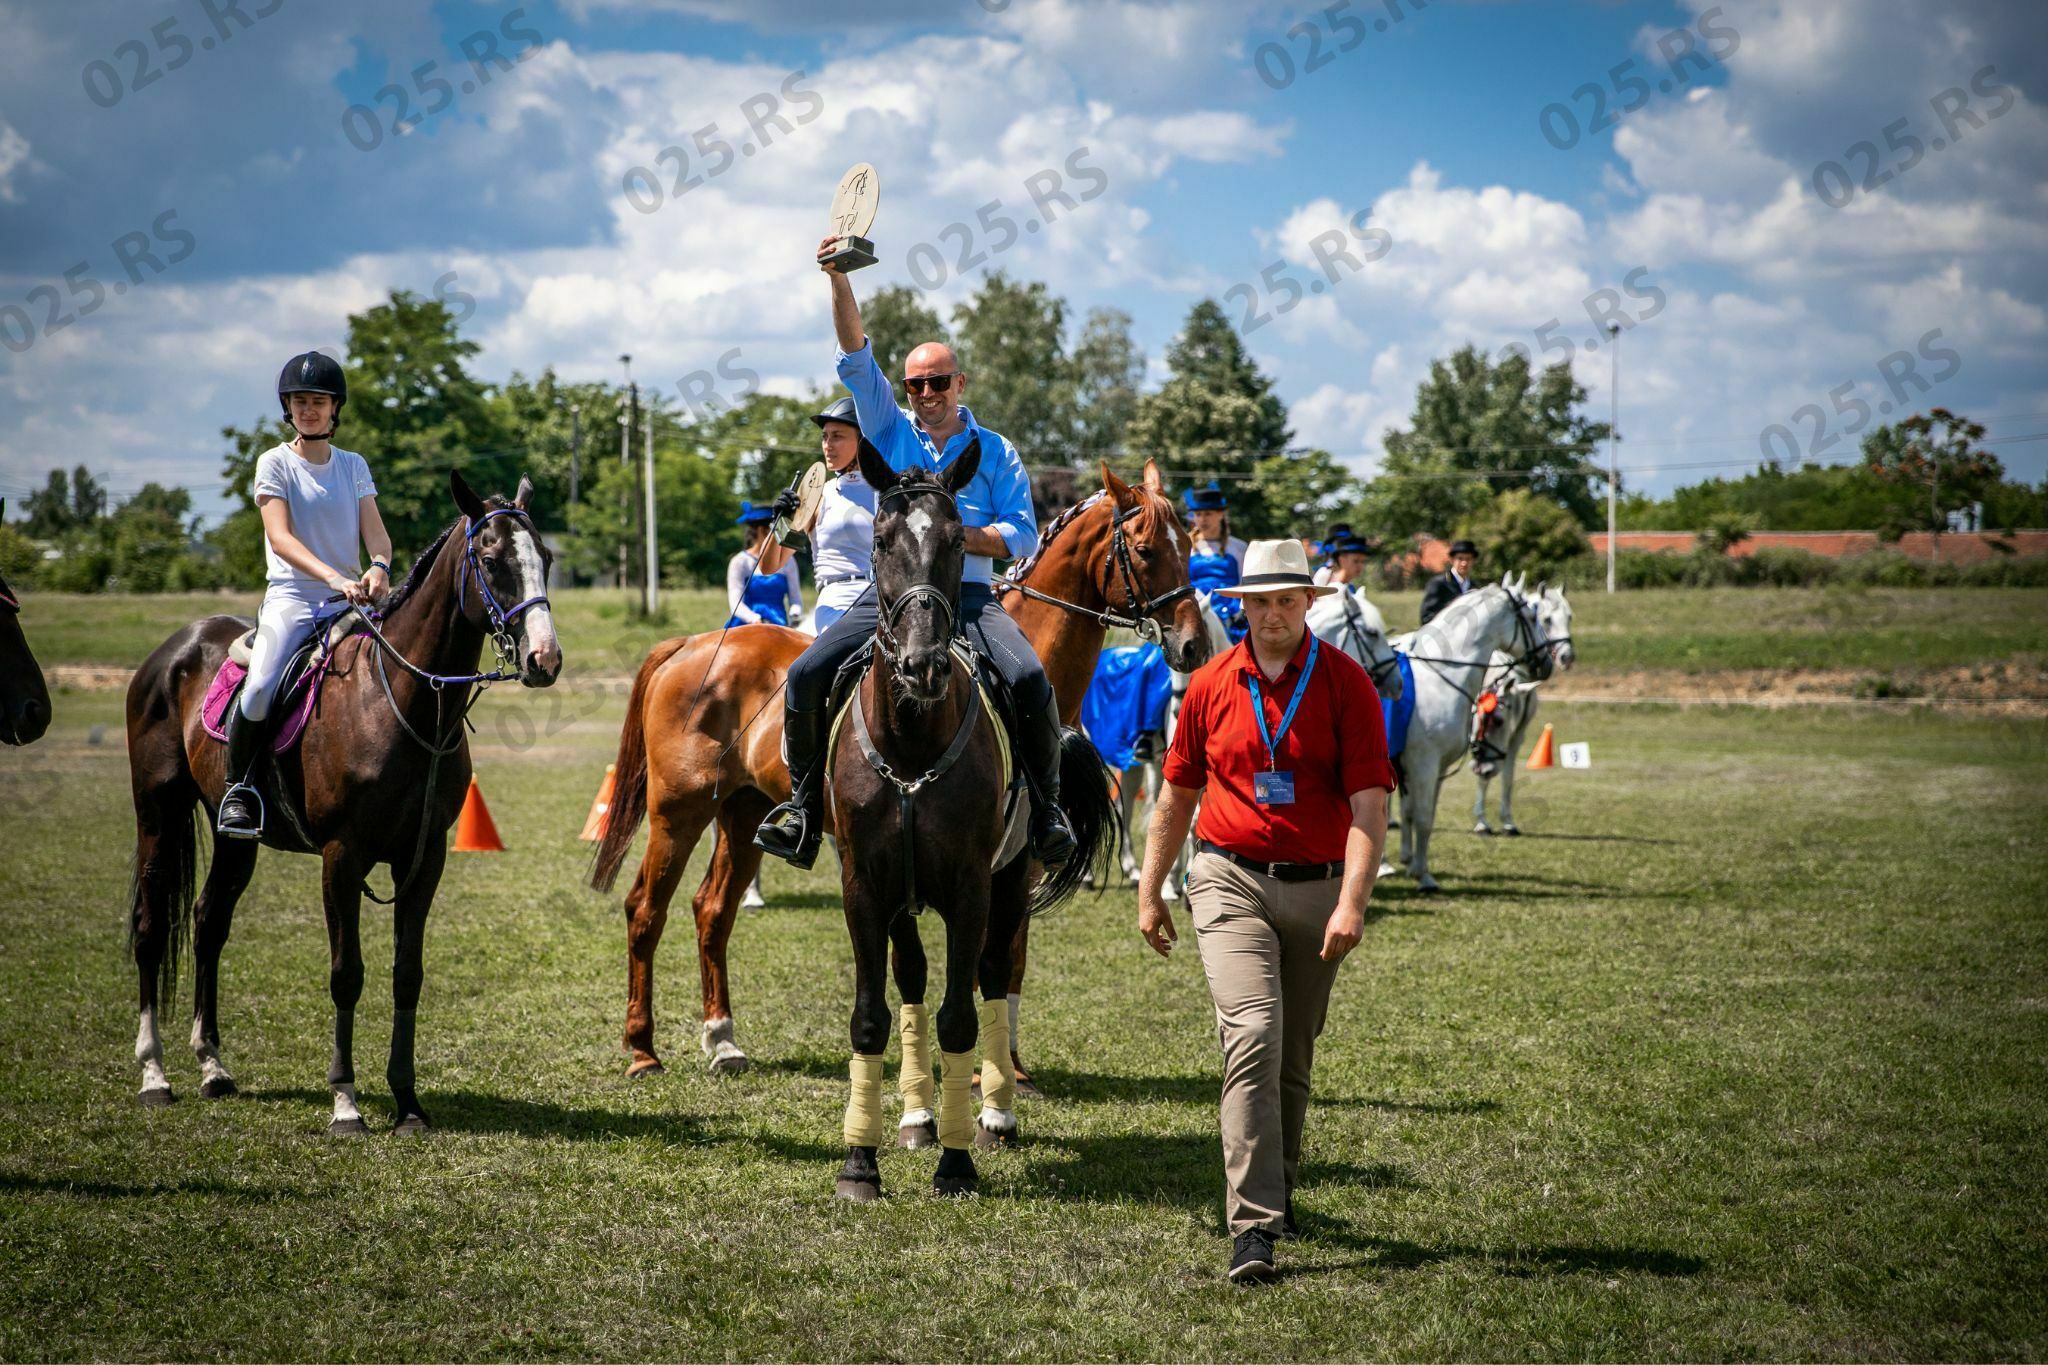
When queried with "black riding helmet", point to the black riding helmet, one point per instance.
{"points": [[313, 372], [841, 410]]}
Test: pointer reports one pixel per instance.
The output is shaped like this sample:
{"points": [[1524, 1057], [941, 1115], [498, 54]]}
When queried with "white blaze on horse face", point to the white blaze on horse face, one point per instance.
{"points": [[920, 523], [533, 582]]}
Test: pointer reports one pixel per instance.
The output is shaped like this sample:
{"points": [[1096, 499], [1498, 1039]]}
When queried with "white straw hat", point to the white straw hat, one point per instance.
{"points": [[1276, 566]]}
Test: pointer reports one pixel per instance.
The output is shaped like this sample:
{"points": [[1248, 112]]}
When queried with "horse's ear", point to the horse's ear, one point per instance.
{"points": [[1152, 479], [1119, 491], [525, 494], [465, 497], [961, 472], [874, 468]]}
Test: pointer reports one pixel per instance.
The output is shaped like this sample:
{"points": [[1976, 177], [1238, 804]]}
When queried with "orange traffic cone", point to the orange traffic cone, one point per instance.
{"points": [[1545, 755], [600, 809], [474, 831]]}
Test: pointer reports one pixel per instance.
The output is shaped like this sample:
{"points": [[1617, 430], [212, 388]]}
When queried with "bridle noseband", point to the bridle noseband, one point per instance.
{"points": [[1140, 612], [1354, 626], [885, 621]]}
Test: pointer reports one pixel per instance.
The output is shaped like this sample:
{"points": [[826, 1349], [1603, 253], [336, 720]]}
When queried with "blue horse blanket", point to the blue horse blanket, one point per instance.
{"points": [[1126, 698], [1399, 713]]}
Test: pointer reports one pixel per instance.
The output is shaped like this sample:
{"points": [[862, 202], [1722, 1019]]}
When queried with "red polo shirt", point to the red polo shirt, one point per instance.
{"points": [[1336, 746]]}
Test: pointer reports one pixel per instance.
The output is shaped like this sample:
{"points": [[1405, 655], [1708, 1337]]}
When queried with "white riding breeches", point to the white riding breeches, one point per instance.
{"points": [[282, 624]]}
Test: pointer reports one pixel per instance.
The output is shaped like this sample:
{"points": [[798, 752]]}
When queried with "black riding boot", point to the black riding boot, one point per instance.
{"points": [[241, 808], [794, 829], [1052, 842]]}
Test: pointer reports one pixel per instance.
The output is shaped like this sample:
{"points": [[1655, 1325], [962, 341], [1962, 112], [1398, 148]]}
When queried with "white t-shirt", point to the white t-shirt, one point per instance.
{"points": [[843, 537], [322, 501]]}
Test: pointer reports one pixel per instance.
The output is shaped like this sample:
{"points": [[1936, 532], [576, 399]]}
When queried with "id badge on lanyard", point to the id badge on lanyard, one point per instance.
{"points": [[1273, 787]]}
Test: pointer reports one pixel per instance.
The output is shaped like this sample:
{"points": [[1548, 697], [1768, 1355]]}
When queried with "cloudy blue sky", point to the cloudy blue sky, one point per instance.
{"points": [[1521, 160]]}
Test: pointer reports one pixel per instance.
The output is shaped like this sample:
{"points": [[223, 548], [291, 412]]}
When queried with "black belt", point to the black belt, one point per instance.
{"points": [[1279, 872]]}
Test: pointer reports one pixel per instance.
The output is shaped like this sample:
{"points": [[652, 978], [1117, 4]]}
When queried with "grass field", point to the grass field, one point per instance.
{"points": [[1687, 629], [1737, 1055]]}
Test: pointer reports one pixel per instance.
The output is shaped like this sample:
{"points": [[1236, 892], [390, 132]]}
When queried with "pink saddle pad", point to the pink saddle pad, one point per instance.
{"points": [[301, 700]]}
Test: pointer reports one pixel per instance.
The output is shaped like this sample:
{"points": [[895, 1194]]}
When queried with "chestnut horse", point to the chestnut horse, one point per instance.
{"points": [[703, 734], [378, 777], [24, 700]]}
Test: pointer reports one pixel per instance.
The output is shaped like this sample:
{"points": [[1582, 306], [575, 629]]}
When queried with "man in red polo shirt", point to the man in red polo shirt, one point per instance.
{"points": [[1282, 742]]}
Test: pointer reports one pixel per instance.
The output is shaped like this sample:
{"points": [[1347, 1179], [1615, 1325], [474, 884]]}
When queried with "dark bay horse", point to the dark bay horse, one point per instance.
{"points": [[378, 777], [702, 740], [915, 784], [24, 700]]}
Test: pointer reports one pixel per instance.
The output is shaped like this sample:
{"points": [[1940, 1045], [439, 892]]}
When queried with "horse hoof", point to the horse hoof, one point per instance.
{"points": [[640, 1071], [988, 1139], [956, 1186], [412, 1125], [918, 1136], [857, 1191], [217, 1087], [1429, 888], [347, 1128], [160, 1098], [730, 1061], [1024, 1089]]}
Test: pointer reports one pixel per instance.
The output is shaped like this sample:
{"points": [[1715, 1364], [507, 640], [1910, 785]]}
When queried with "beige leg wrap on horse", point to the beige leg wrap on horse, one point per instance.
{"points": [[916, 1087], [998, 1086], [865, 1126], [956, 1100]]}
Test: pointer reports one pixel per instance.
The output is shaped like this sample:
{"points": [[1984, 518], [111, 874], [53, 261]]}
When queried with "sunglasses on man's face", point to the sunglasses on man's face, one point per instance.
{"points": [[936, 383]]}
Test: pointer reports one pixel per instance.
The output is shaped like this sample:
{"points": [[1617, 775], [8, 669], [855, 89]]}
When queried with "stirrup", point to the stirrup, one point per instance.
{"points": [[1052, 842], [796, 846], [240, 829]]}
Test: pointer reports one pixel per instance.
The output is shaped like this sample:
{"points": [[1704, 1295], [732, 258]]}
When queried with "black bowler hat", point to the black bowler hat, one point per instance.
{"points": [[1464, 547]]}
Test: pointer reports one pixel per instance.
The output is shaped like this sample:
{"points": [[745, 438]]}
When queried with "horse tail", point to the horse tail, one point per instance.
{"points": [[629, 772], [1094, 817], [173, 872]]}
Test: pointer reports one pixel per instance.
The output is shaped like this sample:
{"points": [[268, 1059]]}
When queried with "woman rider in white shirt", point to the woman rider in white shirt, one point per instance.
{"points": [[317, 503], [843, 535]]}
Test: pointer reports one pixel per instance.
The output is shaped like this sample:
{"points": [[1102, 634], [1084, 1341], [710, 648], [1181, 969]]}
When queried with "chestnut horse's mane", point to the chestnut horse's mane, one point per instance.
{"points": [[1022, 570]]}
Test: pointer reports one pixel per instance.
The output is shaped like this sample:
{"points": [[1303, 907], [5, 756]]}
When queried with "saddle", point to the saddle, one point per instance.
{"points": [[298, 688]]}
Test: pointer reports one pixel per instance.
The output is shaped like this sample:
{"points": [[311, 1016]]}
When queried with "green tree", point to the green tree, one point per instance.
{"points": [[1475, 421], [1108, 374], [1217, 414], [694, 506], [1010, 342], [770, 439], [536, 418], [1523, 531], [896, 320], [1937, 451], [48, 512]]}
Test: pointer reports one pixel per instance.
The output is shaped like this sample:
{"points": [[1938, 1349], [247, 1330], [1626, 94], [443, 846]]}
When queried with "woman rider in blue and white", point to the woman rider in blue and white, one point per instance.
{"points": [[995, 508], [761, 583], [1217, 560], [842, 534]]}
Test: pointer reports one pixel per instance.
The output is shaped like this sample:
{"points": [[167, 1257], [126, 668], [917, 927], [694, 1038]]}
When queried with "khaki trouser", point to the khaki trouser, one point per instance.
{"points": [[1261, 942]]}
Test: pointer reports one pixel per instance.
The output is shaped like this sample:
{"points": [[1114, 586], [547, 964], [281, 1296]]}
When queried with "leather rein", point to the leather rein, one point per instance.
{"points": [[1140, 612]]}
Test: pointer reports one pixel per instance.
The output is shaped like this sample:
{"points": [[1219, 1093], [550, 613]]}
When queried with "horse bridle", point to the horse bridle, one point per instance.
{"points": [[1525, 634], [501, 618], [1140, 611], [1385, 668], [890, 612]]}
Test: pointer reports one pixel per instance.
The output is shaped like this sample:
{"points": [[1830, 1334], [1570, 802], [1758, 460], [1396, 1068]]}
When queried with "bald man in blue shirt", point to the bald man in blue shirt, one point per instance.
{"points": [[995, 508]]}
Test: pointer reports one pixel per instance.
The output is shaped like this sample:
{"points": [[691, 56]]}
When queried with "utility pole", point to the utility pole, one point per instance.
{"points": [[626, 458], [575, 447], [652, 599], [1613, 435]]}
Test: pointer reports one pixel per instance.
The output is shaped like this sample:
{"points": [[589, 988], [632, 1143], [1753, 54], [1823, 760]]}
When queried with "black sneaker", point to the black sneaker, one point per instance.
{"points": [[1251, 1257]]}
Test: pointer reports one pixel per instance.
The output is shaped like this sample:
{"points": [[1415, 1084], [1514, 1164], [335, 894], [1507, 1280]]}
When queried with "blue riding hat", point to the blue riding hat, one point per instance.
{"points": [[1208, 499], [750, 515], [1347, 545]]}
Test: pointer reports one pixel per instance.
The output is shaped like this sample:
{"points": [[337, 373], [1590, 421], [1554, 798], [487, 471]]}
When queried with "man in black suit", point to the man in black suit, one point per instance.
{"points": [[1453, 583]]}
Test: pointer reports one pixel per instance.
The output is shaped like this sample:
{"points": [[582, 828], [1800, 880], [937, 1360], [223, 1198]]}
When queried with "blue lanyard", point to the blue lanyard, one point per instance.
{"points": [[1251, 680]]}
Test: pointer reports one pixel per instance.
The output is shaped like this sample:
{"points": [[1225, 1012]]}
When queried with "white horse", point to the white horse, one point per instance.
{"points": [[1497, 735], [1451, 656]]}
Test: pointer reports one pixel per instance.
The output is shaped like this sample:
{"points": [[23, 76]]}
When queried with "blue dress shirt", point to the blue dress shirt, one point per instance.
{"points": [[997, 497]]}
